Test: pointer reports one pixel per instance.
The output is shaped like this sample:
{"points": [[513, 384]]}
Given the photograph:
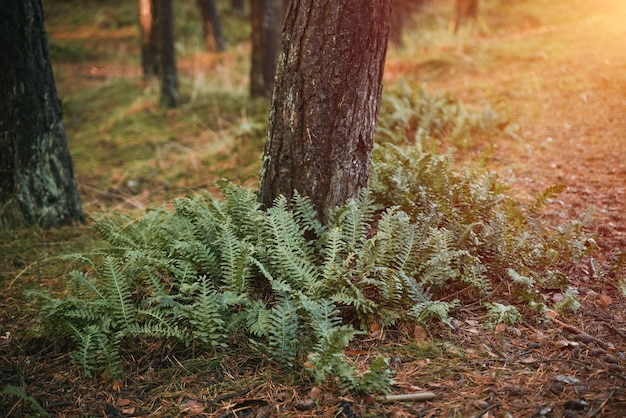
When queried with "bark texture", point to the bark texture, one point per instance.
{"points": [[266, 17], [169, 76], [212, 25], [326, 101], [150, 31], [37, 184]]}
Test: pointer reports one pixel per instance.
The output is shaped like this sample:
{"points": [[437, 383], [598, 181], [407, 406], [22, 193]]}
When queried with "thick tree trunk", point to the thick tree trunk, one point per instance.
{"points": [[169, 76], [266, 17], [326, 101], [212, 25], [150, 30], [37, 184]]}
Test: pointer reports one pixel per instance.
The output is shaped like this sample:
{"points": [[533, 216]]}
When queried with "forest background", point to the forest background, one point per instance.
{"points": [[550, 74]]}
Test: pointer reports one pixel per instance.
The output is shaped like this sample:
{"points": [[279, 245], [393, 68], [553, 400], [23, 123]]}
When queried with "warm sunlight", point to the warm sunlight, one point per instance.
{"points": [[480, 273]]}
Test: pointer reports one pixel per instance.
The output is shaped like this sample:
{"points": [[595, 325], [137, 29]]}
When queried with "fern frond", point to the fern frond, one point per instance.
{"points": [[235, 264], [283, 332], [117, 293], [549, 193], [90, 348], [290, 254], [306, 215]]}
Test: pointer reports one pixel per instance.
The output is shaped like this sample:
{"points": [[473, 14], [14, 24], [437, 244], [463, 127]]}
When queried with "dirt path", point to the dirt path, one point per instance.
{"points": [[565, 85]]}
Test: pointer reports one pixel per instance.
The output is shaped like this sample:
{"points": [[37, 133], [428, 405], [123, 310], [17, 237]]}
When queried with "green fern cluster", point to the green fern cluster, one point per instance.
{"points": [[478, 235], [207, 272], [410, 115]]}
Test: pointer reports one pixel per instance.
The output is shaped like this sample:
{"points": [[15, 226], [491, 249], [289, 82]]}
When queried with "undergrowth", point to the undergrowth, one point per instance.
{"points": [[419, 242]]}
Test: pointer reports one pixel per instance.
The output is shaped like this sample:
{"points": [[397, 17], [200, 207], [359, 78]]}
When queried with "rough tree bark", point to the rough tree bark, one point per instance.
{"points": [[211, 25], [266, 17], [169, 76], [37, 184], [326, 101], [150, 33]]}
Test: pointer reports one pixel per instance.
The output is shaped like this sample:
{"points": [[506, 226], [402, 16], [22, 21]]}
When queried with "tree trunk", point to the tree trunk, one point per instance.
{"points": [[464, 11], [212, 26], [326, 101], [37, 184], [169, 77], [150, 30], [266, 17], [402, 13]]}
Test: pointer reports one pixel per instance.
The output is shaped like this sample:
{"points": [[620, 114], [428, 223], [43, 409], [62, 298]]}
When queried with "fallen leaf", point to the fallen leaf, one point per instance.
{"points": [[128, 411], [419, 333], [551, 314], [192, 407], [122, 402], [565, 343], [606, 300], [118, 385], [315, 393]]}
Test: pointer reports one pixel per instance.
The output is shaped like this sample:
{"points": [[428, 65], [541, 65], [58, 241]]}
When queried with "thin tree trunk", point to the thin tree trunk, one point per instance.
{"points": [[266, 17], [326, 101], [212, 25], [169, 77], [150, 30], [464, 11], [37, 184]]}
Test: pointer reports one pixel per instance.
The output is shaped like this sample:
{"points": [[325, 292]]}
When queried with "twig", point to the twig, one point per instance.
{"points": [[415, 397], [581, 333], [487, 409], [614, 329]]}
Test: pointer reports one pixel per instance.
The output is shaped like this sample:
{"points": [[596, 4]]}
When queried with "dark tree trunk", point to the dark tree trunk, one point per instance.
{"points": [[238, 5], [326, 101], [169, 77], [37, 184], [150, 32], [464, 11], [267, 17], [212, 25]]}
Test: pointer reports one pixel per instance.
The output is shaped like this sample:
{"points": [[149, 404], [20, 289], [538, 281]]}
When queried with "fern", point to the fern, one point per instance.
{"points": [[283, 332], [426, 311], [498, 313], [117, 293], [19, 392], [204, 272], [290, 254]]}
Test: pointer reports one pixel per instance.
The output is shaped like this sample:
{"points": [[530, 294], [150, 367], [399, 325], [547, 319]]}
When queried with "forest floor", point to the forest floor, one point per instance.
{"points": [[563, 80]]}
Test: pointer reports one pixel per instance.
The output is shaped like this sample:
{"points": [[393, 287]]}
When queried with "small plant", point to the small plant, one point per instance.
{"points": [[38, 411], [498, 313]]}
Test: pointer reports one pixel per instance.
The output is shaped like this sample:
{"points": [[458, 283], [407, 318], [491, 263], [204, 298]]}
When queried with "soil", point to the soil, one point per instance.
{"points": [[564, 84]]}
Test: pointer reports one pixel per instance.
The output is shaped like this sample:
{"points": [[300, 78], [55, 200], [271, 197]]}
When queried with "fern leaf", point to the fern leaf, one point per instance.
{"points": [[117, 292], [283, 332]]}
